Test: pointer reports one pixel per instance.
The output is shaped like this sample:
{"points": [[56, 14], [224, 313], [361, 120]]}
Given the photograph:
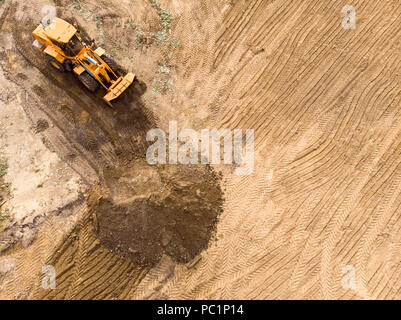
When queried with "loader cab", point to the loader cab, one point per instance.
{"points": [[60, 30], [76, 44], [73, 47], [62, 34]]}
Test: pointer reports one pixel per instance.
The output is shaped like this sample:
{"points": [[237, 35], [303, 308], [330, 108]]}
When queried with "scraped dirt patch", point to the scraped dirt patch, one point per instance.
{"points": [[149, 211]]}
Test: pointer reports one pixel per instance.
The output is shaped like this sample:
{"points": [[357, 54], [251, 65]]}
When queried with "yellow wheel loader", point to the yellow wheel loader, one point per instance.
{"points": [[66, 50]]}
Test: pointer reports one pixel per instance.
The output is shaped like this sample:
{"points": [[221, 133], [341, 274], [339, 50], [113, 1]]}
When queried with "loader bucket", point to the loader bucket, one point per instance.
{"points": [[119, 87]]}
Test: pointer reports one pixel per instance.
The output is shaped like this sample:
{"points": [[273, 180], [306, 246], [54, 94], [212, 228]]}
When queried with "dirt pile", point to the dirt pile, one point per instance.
{"points": [[148, 211]]}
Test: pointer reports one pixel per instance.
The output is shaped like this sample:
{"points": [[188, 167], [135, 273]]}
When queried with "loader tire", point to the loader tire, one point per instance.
{"points": [[88, 81], [110, 62], [68, 65], [55, 64]]}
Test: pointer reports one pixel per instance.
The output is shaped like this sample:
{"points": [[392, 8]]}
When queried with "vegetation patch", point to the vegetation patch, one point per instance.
{"points": [[165, 22], [3, 164], [163, 69], [76, 5]]}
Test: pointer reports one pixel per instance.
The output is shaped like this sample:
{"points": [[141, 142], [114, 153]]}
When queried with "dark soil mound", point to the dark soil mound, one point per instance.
{"points": [[154, 210]]}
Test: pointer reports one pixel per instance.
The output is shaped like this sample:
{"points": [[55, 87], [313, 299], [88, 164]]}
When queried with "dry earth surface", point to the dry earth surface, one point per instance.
{"points": [[325, 192]]}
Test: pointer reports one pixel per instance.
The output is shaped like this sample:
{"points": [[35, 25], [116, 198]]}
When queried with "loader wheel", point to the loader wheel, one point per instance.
{"points": [[110, 62], [57, 65], [88, 81], [68, 65]]}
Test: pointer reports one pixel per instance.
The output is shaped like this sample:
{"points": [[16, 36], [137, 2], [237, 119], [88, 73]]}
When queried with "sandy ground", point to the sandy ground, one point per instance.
{"points": [[325, 195], [36, 174]]}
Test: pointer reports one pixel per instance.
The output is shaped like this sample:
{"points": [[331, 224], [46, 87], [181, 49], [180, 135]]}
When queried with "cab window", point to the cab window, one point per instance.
{"points": [[75, 45]]}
